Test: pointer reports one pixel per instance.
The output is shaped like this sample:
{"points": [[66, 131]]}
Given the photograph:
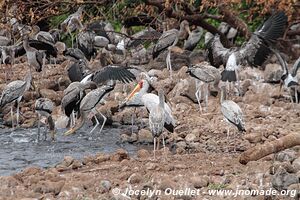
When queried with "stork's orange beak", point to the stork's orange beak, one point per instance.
{"points": [[135, 90]]}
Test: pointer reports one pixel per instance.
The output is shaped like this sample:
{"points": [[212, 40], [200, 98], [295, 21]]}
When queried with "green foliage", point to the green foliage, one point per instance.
{"points": [[55, 21]]}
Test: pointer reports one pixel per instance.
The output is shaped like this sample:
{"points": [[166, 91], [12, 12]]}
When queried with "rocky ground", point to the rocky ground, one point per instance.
{"points": [[198, 155]]}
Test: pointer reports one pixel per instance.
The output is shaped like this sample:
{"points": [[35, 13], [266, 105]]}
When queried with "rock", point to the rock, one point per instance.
{"points": [[101, 41], [282, 179], [119, 155], [286, 155], [143, 153], [199, 182], [76, 164], [167, 183], [145, 136], [294, 191], [101, 157], [296, 164], [190, 137], [51, 94], [49, 187], [254, 137], [273, 73], [135, 178], [66, 163], [61, 122], [151, 166], [286, 165], [106, 185]]}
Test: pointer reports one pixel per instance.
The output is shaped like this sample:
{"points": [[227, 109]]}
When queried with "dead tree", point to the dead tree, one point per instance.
{"points": [[275, 146]]}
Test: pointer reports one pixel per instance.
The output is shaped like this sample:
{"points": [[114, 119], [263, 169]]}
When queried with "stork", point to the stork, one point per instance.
{"points": [[205, 73], [289, 80], [168, 40], [140, 97], [42, 35], [88, 106], [232, 112], [34, 57], [157, 120], [255, 51], [73, 95], [44, 107], [193, 39], [72, 23], [13, 92]]}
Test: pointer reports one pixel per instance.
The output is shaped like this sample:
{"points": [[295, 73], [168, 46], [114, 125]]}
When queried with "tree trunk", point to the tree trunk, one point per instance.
{"points": [[261, 151]]}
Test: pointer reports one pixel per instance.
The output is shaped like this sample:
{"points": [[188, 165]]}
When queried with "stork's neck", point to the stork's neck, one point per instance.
{"points": [[26, 45], [161, 100], [223, 94], [28, 79]]}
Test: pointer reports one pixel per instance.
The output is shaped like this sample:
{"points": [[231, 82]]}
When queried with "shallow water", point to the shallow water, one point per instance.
{"points": [[20, 149]]}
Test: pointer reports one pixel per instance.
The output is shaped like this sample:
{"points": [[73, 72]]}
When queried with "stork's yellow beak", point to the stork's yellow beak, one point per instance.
{"points": [[69, 132], [135, 90]]}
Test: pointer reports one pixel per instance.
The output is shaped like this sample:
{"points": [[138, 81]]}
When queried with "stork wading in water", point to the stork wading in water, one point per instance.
{"points": [[254, 52], [204, 74], [289, 80], [140, 97], [73, 95], [88, 107], [168, 40], [13, 92], [44, 107], [232, 112]]}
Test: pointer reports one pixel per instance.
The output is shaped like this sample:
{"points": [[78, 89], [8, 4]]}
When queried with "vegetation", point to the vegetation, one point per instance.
{"points": [[205, 13]]}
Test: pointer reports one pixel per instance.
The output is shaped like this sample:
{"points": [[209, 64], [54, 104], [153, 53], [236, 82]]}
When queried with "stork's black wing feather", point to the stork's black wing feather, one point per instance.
{"points": [[113, 73], [75, 72], [49, 49], [74, 53], [273, 28]]}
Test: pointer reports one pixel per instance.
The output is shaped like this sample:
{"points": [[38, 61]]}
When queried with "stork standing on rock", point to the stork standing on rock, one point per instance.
{"points": [[34, 57], [157, 120], [140, 97], [168, 40], [231, 112], [13, 92], [72, 23], [44, 107], [204, 73], [289, 80]]}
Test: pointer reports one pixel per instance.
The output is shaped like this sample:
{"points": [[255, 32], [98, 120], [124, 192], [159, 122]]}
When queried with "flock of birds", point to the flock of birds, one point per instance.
{"points": [[88, 87]]}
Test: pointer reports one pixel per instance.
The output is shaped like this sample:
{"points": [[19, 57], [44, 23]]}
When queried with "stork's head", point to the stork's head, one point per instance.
{"points": [[137, 88]]}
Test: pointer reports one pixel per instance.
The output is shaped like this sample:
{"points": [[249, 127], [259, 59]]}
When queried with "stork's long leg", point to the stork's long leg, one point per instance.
{"points": [[206, 96], [154, 145], [238, 82], [198, 94], [164, 144], [132, 124], [168, 62], [39, 127], [296, 95], [18, 113], [12, 116], [104, 121], [97, 123]]}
